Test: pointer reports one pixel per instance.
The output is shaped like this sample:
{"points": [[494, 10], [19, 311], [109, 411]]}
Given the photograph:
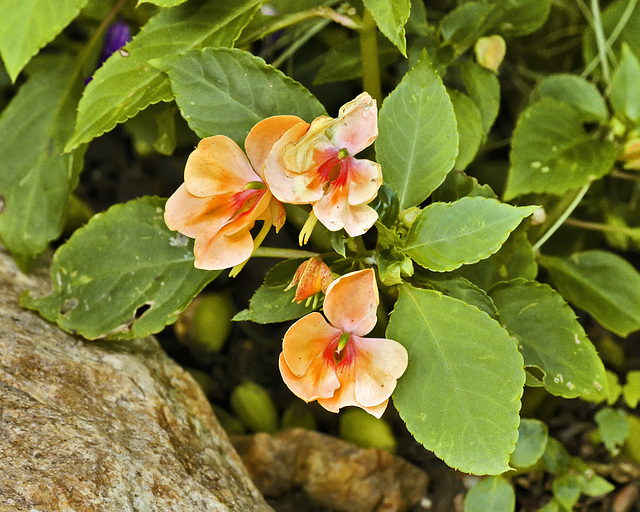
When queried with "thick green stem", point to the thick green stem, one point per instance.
{"points": [[574, 204], [369, 56]]}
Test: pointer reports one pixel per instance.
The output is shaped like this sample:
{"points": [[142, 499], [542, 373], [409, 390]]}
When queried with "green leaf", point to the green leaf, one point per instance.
{"points": [[555, 458], [391, 18], [551, 339], [552, 153], [577, 92], [418, 142], [613, 427], [122, 276], [463, 25], [227, 91], [460, 395], [270, 303], [344, 62], [518, 17], [154, 129], [603, 284], [127, 83], [515, 258], [448, 235], [551, 506], [596, 486], [631, 389], [615, 389], [625, 93], [493, 493], [26, 26], [458, 185], [566, 490], [532, 441], [484, 88], [36, 178], [469, 123], [162, 3]]}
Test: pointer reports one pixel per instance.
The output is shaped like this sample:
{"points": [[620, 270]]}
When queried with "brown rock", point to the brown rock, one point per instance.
{"points": [[88, 426], [333, 473]]}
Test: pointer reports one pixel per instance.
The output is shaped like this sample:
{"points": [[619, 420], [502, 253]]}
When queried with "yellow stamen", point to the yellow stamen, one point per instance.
{"points": [[344, 339], [307, 229]]}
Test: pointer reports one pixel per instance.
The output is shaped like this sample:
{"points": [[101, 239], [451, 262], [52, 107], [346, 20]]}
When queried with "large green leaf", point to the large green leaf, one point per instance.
{"points": [[418, 142], [551, 339], [493, 493], [625, 93], [484, 88], [460, 394], [391, 18], [128, 83], [603, 284], [124, 275], [227, 91], [270, 303], [36, 179], [552, 153], [445, 236], [26, 26], [577, 92], [470, 129]]}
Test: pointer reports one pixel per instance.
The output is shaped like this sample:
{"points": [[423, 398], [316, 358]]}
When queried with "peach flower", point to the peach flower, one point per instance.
{"points": [[332, 362], [314, 164], [224, 194]]}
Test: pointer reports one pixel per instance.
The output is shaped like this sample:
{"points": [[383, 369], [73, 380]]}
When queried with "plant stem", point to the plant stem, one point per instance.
{"points": [[277, 252], [625, 176], [99, 32], [369, 57], [574, 204], [600, 40], [606, 228]]}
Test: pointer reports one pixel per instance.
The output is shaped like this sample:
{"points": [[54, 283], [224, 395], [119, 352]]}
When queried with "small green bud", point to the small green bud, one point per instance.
{"points": [[255, 407], [362, 429], [297, 415], [206, 324], [409, 216]]}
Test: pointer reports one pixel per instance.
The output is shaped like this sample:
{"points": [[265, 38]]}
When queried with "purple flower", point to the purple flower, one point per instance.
{"points": [[117, 36]]}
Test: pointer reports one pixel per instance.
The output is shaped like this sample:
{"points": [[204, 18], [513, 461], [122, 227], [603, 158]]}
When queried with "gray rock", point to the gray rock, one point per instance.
{"points": [[102, 426]]}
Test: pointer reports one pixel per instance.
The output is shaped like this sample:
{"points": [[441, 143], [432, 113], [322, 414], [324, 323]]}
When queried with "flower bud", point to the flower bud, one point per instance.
{"points": [[312, 276], [490, 52], [631, 154], [298, 415], [255, 407], [362, 429]]}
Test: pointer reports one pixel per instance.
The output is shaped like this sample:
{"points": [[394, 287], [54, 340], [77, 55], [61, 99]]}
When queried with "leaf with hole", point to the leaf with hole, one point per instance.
{"points": [[460, 394], [122, 276]]}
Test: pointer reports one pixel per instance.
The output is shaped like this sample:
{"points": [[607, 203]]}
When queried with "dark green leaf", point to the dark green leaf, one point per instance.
{"points": [[532, 441], [391, 18], [469, 123], [124, 275], [493, 493], [577, 92], [484, 88], [625, 93], [613, 427]]}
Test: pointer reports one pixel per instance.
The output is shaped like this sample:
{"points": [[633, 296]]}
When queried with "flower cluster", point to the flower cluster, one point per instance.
{"points": [[287, 160]]}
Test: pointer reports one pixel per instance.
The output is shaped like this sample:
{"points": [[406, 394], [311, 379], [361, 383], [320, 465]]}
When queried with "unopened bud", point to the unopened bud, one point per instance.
{"points": [[255, 407], [539, 217], [362, 429], [631, 154], [312, 276], [490, 52]]}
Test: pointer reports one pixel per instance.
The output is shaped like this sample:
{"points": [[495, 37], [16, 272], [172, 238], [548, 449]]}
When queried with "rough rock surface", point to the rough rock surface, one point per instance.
{"points": [[331, 472], [88, 426]]}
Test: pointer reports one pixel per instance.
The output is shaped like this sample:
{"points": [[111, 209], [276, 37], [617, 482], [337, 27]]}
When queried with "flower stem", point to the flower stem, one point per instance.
{"points": [[99, 32], [574, 204], [600, 40], [605, 228], [369, 56], [277, 252]]}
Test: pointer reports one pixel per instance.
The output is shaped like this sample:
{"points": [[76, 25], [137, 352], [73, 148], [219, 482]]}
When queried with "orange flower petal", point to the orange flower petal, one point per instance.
{"points": [[351, 302], [319, 381], [286, 186], [365, 178], [217, 166], [379, 362], [189, 214], [264, 135], [358, 124], [306, 340], [216, 251], [334, 212]]}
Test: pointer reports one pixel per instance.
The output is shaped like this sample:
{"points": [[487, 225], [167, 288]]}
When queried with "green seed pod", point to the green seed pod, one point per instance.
{"points": [[362, 429], [297, 415], [206, 324], [230, 424], [255, 408]]}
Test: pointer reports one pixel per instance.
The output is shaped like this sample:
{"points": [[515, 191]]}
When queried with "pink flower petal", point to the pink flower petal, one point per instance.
{"points": [[217, 166], [379, 362], [319, 381], [357, 125], [214, 250], [351, 302], [365, 178], [335, 213], [306, 340], [286, 186], [264, 135], [189, 214]]}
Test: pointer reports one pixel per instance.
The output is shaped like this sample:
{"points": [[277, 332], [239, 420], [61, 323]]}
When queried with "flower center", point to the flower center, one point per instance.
{"points": [[334, 170], [340, 352], [245, 200]]}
